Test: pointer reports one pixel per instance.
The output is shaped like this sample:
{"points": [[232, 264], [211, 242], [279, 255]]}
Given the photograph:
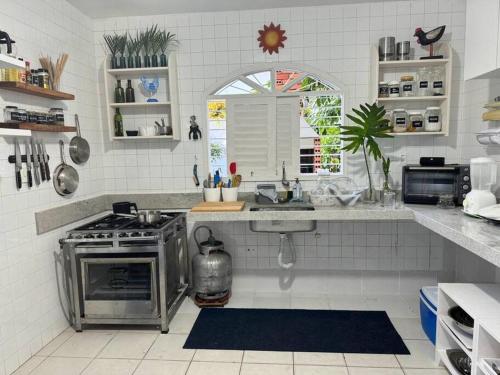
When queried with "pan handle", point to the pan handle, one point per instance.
{"points": [[77, 124], [61, 149]]}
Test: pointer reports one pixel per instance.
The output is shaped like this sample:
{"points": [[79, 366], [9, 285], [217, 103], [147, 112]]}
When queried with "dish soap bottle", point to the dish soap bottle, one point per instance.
{"points": [[119, 93], [297, 191], [129, 93], [118, 122]]}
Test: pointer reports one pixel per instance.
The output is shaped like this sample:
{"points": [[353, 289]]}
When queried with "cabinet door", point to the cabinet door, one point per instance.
{"points": [[481, 38]]}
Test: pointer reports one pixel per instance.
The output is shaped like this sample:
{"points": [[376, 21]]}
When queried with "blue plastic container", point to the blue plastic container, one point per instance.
{"points": [[428, 311]]}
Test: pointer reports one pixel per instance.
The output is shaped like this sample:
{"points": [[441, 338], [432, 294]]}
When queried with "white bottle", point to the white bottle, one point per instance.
{"points": [[297, 191]]}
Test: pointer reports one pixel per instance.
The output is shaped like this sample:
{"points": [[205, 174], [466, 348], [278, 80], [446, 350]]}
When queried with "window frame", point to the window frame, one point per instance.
{"points": [[305, 71]]}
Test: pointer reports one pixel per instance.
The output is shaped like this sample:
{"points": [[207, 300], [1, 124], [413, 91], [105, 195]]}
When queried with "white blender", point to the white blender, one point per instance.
{"points": [[483, 175]]}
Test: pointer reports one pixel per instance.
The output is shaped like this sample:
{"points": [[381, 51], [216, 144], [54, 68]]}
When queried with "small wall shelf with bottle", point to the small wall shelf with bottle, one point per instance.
{"points": [[415, 93], [138, 99]]}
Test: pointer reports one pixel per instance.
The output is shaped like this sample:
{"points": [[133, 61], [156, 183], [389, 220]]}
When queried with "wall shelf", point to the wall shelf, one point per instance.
{"points": [[414, 99], [142, 138], [27, 126], [413, 63], [7, 61], [138, 105], [138, 71], [35, 91], [405, 134]]}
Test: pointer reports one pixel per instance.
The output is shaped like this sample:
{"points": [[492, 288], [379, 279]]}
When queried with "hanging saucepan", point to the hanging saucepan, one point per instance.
{"points": [[79, 148], [65, 176]]}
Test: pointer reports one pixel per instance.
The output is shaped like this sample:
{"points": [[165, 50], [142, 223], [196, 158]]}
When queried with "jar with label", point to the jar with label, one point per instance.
{"points": [[383, 89], [400, 120], [22, 115], [32, 117], [424, 82], [432, 122], [58, 115], [394, 89], [41, 118], [407, 86], [438, 81], [416, 121], [43, 78], [10, 114]]}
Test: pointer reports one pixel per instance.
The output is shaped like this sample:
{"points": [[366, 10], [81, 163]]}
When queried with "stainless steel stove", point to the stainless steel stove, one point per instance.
{"points": [[121, 271]]}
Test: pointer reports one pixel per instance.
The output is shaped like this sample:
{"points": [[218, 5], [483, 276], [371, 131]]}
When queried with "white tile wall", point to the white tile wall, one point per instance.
{"points": [[30, 314]]}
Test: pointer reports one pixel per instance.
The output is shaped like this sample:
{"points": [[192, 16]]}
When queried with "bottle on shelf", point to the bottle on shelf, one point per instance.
{"points": [[118, 122], [129, 93], [119, 93]]}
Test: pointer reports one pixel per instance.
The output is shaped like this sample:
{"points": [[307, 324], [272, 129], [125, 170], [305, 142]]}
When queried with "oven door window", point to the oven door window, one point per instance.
{"points": [[428, 183], [112, 280]]}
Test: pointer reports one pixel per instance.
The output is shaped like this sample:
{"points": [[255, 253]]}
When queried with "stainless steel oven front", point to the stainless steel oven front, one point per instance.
{"points": [[119, 287]]}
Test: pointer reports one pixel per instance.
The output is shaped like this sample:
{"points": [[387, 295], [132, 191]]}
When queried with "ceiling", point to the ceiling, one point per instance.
{"points": [[123, 8]]}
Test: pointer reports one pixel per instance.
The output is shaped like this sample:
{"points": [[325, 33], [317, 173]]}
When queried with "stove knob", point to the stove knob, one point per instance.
{"points": [[465, 187], [466, 178], [123, 234], [88, 236]]}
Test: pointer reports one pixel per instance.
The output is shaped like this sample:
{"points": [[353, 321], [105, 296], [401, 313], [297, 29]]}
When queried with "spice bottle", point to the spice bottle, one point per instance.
{"points": [[118, 122], [119, 93], [43, 78], [129, 93]]}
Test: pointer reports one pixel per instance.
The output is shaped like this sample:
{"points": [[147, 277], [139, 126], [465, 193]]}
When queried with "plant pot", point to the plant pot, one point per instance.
{"points": [[377, 196], [114, 62], [147, 61], [163, 60], [123, 62], [138, 62], [130, 62], [154, 61]]}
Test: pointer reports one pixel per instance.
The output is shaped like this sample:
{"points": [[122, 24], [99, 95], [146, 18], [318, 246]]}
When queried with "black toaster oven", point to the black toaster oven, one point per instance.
{"points": [[424, 184]]}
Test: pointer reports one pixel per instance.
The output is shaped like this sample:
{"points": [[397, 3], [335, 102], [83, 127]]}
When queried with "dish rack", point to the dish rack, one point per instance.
{"points": [[336, 191]]}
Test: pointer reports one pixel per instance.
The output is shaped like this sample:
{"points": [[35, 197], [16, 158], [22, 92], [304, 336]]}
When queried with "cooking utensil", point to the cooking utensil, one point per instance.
{"points": [[124, 208], [149, 217], [195, 175], [66, 177], [386, 48], [495, 368], [459, 360], [28, 162], [237, 180], [41, 161], [36, 162], [46, 161], [462, 319], [19, 164], [79, 149]]}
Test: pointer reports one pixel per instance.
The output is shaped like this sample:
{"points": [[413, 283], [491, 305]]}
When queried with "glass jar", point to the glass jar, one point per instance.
{"points": [[22, 115], [400, 120], [383, 90], [41, 118], [432, 121], [394, 89], [407, 86], [416, 121], [32, 117], [43, 78], [424, 82], [438, 81], [58, 114], [10, 114]]}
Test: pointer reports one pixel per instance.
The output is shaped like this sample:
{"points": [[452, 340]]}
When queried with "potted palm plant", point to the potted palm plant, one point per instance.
{"points": [[131, 48], [155, 48], [112, 41], [122, 46], [168, 41], [369, 124], [147, 39], [138, 47]]}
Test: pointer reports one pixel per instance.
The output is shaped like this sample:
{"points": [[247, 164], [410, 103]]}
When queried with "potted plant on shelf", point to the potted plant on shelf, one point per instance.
{"points": [[138, 47], [122, 45], [167, 40], [386, 166], [155, 48], [369, 124], [132, 46], [112, 41], [147, 39]]}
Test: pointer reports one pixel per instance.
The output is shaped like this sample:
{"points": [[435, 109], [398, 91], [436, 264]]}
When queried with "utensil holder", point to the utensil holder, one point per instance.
{"points": [[211, 194], [230, 194]]}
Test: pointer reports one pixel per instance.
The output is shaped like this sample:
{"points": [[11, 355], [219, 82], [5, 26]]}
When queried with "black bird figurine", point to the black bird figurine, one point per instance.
{"points": [[428, 39]]}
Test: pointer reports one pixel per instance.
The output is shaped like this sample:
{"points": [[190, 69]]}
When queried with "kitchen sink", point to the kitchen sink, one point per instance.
{"points": [[282, 226]]}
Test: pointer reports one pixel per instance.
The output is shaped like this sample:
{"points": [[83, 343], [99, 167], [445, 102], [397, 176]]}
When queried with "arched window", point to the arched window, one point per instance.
{"points": [[265, 118]]}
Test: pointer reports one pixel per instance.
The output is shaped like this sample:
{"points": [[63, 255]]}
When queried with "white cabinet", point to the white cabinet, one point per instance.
{"points": [[482, 39]]}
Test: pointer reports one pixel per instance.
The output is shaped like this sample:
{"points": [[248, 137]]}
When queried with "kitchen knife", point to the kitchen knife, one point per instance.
{"points": [[42, 163], [46, 162], [28, 162], [36, 162], [19, 164]]}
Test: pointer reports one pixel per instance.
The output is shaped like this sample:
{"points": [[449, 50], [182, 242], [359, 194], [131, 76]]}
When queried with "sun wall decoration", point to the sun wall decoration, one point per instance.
{"points": [[271, 38]]}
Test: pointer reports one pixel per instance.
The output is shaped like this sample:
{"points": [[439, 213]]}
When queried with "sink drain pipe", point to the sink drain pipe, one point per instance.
{"points": [[293, 254]]}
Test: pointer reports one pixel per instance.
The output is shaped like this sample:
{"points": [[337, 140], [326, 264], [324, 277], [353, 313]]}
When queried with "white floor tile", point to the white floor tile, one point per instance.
{"points": [[218, 355], [370, 360], [213, 368], [111, 367], [265, 369], [422, 355], [409, 328], [347, 302], [241, 302], [169, 347], [395, 306], [319, 370], [188, 307], [84, 344], [52, 346], [426, 372], [29, 365], [271, 301], [182, 323], [61, 366], [155, 367], [310, 303], [374, 371], [285, 358], [128, 345], [326, 359]]}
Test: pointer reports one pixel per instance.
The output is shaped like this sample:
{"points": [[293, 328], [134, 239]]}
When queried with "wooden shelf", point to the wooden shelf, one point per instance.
{"points": [[35, 91], [38, 127], [11, 62], [138, 105], [138, 71], [412, 63]]}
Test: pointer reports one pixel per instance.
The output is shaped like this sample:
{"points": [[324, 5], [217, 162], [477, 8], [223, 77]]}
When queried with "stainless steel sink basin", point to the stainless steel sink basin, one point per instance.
{"points": [[282, 226]]}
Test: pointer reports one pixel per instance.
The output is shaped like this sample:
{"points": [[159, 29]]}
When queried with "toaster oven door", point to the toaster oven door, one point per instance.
{"points": [[425, 185]]}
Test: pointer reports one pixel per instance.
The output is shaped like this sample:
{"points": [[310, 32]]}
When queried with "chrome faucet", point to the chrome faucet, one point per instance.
{"points": [[284, 182]]}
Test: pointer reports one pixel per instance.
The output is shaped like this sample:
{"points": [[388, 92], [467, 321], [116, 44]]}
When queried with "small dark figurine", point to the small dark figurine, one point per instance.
{"points": [[429, 38], [194, 129]]}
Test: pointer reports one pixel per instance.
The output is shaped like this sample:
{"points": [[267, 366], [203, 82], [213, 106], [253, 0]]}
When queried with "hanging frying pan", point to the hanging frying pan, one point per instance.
{"points": [[79, 149], [66, 177]]}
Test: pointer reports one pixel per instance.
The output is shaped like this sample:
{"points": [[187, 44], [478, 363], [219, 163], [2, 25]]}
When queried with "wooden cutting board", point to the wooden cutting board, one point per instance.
{"points": [[218, 206]]}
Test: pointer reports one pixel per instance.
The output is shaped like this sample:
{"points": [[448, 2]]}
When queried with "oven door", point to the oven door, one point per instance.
{"points": [[119, 287], [425, 185]]}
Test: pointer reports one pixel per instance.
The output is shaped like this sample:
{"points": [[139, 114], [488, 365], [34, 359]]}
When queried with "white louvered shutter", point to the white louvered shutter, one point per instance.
{"points": [[287, 135], [251, 135]]}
